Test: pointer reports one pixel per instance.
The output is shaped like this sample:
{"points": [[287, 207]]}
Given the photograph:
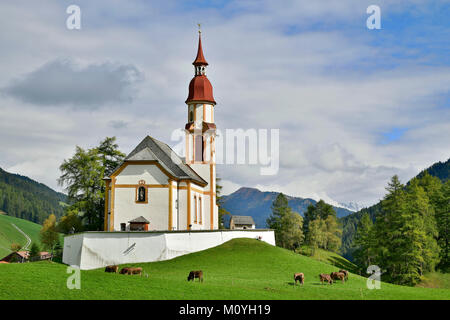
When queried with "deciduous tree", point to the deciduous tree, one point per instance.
{"points": [[82, 175]]}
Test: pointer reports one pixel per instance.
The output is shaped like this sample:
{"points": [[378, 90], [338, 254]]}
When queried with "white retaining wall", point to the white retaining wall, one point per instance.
{"points": [[91, 250]]}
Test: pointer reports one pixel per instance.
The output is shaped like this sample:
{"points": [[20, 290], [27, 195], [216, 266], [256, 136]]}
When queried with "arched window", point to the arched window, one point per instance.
{"points": [[141, 194], [191, 116]]}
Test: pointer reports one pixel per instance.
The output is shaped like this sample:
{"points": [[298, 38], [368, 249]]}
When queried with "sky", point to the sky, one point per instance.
{"points": [[353, 106]]}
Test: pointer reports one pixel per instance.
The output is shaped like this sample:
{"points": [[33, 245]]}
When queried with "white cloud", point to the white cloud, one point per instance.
{"points": [[329, 86]]}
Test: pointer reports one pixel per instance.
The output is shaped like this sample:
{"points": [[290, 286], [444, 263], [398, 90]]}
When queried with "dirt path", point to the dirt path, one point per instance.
{"points": [[25, 247]]}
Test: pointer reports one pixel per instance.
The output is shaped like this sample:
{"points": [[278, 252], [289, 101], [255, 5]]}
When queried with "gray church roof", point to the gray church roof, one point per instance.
{"points": [[242, 220], [153, 149]]}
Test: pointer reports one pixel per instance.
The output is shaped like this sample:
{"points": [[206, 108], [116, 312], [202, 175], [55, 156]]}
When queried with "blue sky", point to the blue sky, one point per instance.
{"points": [[354, 106]]}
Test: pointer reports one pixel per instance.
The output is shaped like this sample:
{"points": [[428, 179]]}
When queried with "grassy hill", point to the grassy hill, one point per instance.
{"points": [[329, 258], [238, 269], [435, 280], [9, 234]]}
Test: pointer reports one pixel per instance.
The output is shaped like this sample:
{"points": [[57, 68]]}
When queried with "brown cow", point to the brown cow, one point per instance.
{"points": [[124, 271], [195, 274], [344, 272], [325, 277], [299, 277], [113, 269], [338, 276], [132, 271]]}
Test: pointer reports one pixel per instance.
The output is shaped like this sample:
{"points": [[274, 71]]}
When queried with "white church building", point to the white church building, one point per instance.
{"points": [[155, 189], [157, 204]]}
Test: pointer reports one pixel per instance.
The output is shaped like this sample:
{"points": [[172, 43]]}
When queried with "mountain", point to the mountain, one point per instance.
{"points": [[352, 206], [440, 170], [27, 199], [255, 203]]}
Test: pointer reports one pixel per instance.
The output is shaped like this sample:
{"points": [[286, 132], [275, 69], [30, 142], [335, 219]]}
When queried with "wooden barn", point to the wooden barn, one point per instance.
{"points": [[24, 256]]}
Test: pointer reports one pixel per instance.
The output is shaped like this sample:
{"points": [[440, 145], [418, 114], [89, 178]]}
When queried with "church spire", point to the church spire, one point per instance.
{"points": [[200, 89], [200, 59]]}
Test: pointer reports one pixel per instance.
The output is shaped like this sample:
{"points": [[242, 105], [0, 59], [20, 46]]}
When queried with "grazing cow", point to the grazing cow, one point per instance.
{"points": [[132, 271], [299, 277], [338, 276], [325, 277], [113, 269], [195, 274], [344, 272], [124, 271]]}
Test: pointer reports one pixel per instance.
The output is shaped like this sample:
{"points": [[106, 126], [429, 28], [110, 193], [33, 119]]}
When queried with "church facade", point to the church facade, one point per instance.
{"points": [[154, 189]]}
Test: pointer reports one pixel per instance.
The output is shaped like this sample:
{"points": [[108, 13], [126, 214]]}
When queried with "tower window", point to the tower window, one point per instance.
{"points": [[191, 116], [198, 148], [195, 211], [200, 209]]}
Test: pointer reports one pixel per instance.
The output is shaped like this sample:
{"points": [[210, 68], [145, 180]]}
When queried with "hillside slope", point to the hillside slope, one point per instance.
{"points": [[27, 199], [9, 234], [255, 203], [239, 269]]}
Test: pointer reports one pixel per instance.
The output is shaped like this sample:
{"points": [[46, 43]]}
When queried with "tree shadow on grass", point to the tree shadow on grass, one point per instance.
{"points": [[343, 264]]}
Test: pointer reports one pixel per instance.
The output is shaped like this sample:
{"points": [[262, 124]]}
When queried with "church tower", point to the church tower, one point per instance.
{"points": [[201, 130]]}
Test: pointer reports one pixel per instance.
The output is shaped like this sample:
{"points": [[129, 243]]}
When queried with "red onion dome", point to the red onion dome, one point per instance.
{"points": [[201, 90]]}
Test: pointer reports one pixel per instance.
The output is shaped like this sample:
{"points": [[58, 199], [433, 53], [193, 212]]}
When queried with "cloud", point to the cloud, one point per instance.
{"points": [[118, 124], [308, 68], [64, 82]]}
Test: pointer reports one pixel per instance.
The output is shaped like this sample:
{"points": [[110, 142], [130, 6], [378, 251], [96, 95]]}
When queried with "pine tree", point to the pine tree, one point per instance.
{"points": [[418, 203], [333, 234], [387, 228], [321, 210], [286, 223], [316, 238], [405, 231], [443, 223], [364, 242]]}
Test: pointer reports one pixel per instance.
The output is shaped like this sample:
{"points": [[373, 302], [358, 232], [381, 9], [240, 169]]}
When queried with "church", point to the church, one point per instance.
{"points": [[159, 205], [154, 189]]}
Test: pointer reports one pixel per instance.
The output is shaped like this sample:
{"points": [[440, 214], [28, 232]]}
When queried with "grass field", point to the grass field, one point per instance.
{"points": [[435, 280], [238, 269], [9, 234], [329, 258]]}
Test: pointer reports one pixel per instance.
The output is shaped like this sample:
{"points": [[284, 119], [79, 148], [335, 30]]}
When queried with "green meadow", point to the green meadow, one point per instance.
{"points": [[9, 234], [238, 269]]}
